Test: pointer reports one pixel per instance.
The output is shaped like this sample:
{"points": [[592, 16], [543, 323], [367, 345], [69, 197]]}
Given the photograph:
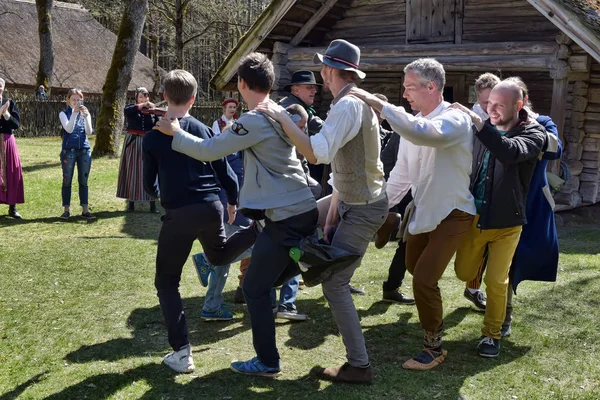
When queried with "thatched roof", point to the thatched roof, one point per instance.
{"points": [[83, 48], [284, 20]]}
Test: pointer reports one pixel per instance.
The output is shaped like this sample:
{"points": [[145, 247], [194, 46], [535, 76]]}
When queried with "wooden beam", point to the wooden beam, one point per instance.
{"points": [[569, 23], [458, 20], [439, 50], [451, 63], [251, 40], [312, 22], [557, 113]]}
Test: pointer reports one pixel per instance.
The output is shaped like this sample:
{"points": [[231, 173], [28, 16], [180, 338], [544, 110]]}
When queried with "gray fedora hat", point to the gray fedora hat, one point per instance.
{"points": [[301, 78], [341, 55]]}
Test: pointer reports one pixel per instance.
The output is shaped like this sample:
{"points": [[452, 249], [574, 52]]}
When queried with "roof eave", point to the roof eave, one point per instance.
{"points": [[250, 41], [568, 22]]}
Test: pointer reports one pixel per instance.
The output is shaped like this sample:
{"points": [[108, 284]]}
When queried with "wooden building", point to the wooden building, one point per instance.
{"points": [[83, 49], [553, 45]]}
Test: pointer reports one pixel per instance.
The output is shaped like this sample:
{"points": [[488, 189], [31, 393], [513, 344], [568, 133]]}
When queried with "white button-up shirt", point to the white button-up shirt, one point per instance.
{"points": [[215, 127], [434, 160]]}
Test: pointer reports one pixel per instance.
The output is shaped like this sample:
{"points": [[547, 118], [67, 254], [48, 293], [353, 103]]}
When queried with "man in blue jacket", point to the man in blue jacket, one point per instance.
{"points": [[189, 192]]}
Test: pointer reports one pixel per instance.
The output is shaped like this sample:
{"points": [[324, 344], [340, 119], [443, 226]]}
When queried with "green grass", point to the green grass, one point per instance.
{"points": [[79, 317]]}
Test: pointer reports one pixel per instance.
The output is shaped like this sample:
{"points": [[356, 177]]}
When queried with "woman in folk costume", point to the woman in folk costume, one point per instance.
{"points": [[11, 174], [130, 185], [229, 116]]}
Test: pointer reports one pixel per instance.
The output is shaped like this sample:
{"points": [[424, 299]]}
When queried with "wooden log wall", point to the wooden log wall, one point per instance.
{"points": [[371, 21], [582, 129], [494, 21]]}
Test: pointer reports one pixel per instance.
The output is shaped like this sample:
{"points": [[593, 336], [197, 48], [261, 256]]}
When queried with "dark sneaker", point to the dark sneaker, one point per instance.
{"points": [[391, 224], [355, 290], [65, 216], [254, 367], [203, 268], [489, 347], [505, 331], [238, 296], [291, 314], [222, 314], [477, 298], [89, 216], [348, 374], [428, 359], [394, 296]]}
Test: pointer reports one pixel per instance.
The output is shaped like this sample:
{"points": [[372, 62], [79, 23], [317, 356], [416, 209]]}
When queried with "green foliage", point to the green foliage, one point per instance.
{"points": [[80, 318]]}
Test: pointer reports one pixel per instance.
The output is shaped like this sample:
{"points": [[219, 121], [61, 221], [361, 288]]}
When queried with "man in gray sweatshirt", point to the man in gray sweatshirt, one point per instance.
{"points": [[275, 188]]}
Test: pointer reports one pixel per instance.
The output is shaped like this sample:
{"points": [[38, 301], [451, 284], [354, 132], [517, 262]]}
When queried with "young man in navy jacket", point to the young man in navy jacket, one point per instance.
{"points": [[189, 192]]}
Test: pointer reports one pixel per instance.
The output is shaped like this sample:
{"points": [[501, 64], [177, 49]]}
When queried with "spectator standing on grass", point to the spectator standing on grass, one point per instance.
{"points": [[130, 183], [76, 151], [11, 173]]}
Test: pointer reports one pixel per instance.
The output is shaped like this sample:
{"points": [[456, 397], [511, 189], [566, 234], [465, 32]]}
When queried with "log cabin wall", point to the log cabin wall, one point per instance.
{"points": [[496, 21]]}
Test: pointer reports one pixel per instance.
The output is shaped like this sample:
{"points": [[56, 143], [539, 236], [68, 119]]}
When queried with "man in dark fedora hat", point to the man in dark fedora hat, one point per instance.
{"points": [[302, 90], [349, 140]]}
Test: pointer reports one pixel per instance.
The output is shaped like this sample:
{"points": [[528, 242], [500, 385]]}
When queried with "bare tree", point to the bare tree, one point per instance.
{"points": [[46, 64], [114, 92]]}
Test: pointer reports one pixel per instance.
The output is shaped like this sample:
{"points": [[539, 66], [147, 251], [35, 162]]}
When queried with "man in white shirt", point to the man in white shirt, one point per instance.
{"points": [[349, 140], [434, 160], [228, 118]]}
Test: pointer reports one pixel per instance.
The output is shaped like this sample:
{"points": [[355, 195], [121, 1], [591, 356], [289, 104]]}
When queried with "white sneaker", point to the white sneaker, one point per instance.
{"points": [[181, 360]]}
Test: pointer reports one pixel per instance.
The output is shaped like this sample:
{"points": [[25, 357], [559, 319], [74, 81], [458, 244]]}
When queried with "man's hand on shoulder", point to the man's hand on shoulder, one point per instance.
{"points": [[168, 125], [475, 119]]}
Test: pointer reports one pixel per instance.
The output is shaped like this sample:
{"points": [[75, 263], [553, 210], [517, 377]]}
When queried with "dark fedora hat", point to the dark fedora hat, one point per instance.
{"points": [[341, 55], [301, 78]]}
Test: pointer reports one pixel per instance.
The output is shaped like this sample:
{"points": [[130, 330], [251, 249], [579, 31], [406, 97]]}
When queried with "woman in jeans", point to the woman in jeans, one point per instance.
{"points": [[77, 125]]}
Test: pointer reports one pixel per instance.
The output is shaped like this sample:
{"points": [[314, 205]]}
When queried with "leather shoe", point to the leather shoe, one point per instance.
{"points": [[394, 296], [392, 222], [348, 374], [12, 212], [355, 290]]}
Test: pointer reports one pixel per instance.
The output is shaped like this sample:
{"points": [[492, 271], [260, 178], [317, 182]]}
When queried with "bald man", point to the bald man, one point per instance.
{"points": [[505, 151]]}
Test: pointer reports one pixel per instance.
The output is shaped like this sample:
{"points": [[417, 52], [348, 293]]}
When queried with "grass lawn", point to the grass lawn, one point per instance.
{"points": [[79, 318]]}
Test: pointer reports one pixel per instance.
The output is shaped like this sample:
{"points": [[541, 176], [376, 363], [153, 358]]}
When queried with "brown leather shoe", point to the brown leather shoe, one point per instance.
{"points": [[348, 374], [426, 360], [392, 222]]}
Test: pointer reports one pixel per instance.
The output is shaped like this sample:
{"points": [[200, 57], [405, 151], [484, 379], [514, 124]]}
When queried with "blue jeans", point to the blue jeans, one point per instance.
{"points": [[218, 277], [68, 159], [287, 294]]}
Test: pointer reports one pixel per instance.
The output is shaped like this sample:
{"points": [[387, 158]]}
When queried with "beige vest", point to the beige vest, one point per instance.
{"points": [[357, 169]]}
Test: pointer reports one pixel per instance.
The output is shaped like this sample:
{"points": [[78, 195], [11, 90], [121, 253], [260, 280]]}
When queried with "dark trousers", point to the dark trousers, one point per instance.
{"points": [[270, 263], [397, 269], [180, 227]]}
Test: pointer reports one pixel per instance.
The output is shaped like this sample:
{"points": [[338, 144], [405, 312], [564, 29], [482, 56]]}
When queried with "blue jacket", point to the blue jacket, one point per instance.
{"points": [[183, 180], [76, 139], [536, 256]]}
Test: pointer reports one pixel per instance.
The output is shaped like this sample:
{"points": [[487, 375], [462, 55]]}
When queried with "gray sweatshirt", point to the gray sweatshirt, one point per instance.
{"points": [[273, 175]]}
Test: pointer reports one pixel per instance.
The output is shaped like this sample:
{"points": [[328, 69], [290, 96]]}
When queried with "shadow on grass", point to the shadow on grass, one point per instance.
{"points": [[44, 165], [16, 392], [389, 345], [149, 334]]}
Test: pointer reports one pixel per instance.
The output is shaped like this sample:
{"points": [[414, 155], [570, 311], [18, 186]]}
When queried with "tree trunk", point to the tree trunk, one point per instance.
{"points": [[46, 64], [179, 14], [114, 91]]}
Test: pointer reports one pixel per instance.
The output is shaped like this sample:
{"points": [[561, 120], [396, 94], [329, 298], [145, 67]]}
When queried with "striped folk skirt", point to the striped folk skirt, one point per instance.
{"points": [[130, 184], [11, 174]]}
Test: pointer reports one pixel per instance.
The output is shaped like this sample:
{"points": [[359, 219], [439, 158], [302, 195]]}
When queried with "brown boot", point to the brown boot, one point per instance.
{"points": [[391, 224], [348, 374]]}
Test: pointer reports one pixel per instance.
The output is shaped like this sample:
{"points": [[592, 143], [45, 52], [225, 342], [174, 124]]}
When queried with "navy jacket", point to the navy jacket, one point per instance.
{"points": [[183, 180], [136, 121], [536, 257], [76, 139]]}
